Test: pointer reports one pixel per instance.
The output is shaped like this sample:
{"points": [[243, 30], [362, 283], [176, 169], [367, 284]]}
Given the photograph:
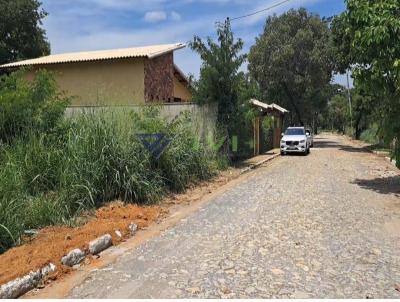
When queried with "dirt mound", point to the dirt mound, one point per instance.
{"points": [[54, 242]]}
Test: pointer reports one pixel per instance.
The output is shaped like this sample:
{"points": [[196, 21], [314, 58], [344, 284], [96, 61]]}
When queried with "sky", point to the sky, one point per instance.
{"points": [[84, 25]]}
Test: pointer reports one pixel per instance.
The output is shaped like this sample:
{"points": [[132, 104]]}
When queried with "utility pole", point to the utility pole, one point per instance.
{"points": [[349, 95]]}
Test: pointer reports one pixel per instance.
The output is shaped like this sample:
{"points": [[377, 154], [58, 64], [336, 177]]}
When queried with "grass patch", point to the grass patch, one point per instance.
{"points": [[91, 159]]}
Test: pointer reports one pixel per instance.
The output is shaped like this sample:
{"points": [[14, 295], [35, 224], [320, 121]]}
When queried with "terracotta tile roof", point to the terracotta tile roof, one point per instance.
{"points": [[146, 51]]}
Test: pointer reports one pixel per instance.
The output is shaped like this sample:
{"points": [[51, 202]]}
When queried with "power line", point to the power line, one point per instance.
{"points": [[252, 14], [260, 11]]}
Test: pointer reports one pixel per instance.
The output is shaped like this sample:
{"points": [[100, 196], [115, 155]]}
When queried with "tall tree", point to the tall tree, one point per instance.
{"points": [[367, 35], [219, 79], [291, 61], [337, 116], [21, 35]]}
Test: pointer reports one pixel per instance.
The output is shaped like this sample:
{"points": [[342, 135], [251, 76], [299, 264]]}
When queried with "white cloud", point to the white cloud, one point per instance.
{"points": [[155, 16], [175, 16], [136, 5], [79, 25]]}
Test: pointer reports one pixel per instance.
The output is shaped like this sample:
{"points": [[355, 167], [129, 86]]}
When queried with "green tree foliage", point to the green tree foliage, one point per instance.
{"points": [[362, 110], [291, 61], [337, 116], [248, 88], [367, 36], [338, 112], [21, 36], [29, 106], [219, 79]]}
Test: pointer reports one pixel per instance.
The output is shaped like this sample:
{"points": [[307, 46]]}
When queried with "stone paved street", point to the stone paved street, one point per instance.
{"points": [[326, 225]]}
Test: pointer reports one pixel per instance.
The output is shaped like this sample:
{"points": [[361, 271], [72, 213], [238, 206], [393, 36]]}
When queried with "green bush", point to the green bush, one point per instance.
{"points": [[29, 106], [186, 159], [371, 135]]}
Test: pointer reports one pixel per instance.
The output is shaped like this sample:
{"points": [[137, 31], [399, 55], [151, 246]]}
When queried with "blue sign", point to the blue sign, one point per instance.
{"points": [[155, 143]]}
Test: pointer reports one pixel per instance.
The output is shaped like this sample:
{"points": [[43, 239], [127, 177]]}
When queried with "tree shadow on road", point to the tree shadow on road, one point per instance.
{"points": [[382, 185], [334, 145]]}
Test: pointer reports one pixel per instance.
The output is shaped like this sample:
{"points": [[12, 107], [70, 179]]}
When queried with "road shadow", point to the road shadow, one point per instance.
{"points": [[296, 154], [382, 185], [327, 144], [244, 162]]}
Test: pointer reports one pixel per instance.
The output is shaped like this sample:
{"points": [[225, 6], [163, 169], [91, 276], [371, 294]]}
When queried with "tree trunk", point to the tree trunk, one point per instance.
{"points": [[357, 125], [293, 103]]}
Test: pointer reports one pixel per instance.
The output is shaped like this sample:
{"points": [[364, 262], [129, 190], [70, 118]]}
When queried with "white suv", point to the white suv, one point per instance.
{"points": [[295, 140]]}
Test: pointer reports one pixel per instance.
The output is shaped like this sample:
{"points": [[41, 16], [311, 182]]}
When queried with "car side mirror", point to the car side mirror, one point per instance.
{"points": [[282, 134]]}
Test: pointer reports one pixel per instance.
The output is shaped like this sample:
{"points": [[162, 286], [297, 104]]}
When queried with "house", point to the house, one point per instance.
{"points": [[118, 77]]}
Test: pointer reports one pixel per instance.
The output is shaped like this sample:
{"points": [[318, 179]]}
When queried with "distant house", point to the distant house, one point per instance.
{"points": [[119, 77]]}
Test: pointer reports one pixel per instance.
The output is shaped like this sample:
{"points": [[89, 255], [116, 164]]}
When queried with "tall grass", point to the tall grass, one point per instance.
{"points": [[90, 159]]}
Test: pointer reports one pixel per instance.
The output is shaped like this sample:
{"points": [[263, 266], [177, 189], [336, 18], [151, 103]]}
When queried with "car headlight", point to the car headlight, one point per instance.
{"points": [[302, 142]]}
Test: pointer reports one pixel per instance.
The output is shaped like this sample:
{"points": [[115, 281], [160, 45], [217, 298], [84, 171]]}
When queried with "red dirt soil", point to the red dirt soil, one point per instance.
{"points": [[52, 243]]}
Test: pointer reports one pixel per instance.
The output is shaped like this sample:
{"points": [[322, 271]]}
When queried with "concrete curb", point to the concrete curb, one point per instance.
{"points": [[132, 229], [256, 165], [100, 244], [20, 286], [74, 257]]}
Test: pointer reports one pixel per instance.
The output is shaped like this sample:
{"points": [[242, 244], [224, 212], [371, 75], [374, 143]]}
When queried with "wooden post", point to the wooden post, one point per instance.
{"points": [[257, 136], [277, 131]]}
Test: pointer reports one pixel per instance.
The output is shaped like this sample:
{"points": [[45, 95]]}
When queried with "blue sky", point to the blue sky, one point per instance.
{"points": [[79, 25]]}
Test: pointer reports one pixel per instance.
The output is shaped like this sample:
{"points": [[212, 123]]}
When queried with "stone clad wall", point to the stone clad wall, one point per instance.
{"points": [[159, 79]]}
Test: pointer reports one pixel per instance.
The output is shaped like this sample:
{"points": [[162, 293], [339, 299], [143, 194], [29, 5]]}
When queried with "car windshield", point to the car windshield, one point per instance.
{"points": [[295, 131]]}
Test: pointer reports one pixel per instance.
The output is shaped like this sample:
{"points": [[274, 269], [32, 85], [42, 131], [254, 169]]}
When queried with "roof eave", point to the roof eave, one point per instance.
{"points": [[172, 49], [31, 62]]}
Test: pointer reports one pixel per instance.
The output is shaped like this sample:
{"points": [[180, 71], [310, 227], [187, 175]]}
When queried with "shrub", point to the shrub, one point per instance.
{"points": [[186, 159], [29, 106]]}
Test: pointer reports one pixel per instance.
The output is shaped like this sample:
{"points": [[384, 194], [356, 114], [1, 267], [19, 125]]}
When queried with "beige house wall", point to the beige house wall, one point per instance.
{"points": [[181, 91], [97, 83]]}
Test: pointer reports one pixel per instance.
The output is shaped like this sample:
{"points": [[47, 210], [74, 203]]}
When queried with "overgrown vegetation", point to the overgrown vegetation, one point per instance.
{"points": [[367, 41], [29, 106], [51, 172]]}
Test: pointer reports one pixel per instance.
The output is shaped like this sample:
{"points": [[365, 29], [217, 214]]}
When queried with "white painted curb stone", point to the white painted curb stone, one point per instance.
{"points": [[73, 257], [20, 286], [133, 228], [100, 244]]}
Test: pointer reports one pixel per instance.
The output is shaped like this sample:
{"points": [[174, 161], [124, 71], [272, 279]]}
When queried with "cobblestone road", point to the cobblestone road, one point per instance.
{"points": [[325, 225]]}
